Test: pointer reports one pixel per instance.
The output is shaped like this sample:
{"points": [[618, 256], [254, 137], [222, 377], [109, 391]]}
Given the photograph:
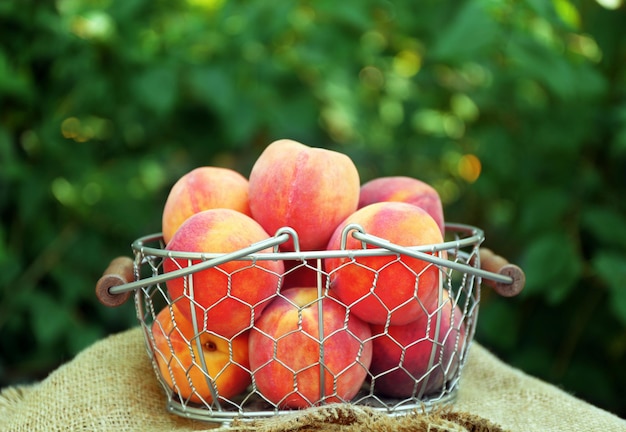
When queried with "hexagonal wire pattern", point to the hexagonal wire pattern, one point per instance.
{"points": [[458, 264]]}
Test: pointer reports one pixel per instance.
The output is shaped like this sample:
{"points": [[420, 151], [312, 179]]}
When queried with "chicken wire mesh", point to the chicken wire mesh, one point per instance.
{"points": [[330, 351]]}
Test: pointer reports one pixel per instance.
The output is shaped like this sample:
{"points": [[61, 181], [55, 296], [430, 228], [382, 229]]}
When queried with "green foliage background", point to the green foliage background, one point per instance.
{"points": [[105, 103]]}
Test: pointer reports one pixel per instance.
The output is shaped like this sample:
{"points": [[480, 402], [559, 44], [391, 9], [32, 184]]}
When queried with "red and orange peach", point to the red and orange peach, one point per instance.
{"points": [[418, 358], [301, 274], [386, 288], [308, 189], [286, 349], [227, 296], [201, 189], [404, 189], [178, 350]]}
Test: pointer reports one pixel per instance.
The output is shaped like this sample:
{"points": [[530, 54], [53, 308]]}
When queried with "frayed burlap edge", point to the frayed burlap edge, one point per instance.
{"points": [[342, 417], [11, 398]]}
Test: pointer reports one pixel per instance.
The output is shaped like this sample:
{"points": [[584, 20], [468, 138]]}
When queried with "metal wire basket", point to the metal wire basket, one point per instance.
{"points": [[192, 384]]}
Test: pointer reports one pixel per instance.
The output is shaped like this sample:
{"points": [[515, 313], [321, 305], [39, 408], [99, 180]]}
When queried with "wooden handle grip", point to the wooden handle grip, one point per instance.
{"points": [[496, 264], [119, 272]]}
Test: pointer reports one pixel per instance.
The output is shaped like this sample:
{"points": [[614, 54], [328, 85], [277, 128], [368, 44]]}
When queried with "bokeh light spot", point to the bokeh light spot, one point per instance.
{"points": [[610, 4], [585, 46], [464, 107], [91, 193], [63, 191], [567, 12], [391, 112], [208, 5], [448, 190], [453, 126], [407, 63], [96, 25], [30, 141], [469, 168], [372, 77], [373, 40], [428, 121], [70, 127], [85, 129], [152, 175]]}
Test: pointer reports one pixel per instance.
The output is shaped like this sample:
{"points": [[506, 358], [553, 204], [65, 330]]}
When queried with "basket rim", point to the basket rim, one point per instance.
{"points": [[473, 236], [198, 261]]}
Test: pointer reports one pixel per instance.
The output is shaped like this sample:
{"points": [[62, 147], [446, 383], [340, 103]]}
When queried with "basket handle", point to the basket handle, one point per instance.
{"points": [[505, 278], [119, 272], [496, 264]]}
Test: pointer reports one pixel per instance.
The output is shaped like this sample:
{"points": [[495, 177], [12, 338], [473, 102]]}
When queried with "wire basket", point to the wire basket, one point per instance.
{"points": [[426, 362]]}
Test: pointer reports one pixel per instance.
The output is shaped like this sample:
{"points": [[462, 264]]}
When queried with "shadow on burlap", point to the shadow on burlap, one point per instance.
{"points": [[111, 386]]}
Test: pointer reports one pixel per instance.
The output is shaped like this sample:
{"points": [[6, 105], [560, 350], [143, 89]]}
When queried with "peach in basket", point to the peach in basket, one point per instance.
{"points": [[181, 353], [228, 296]]}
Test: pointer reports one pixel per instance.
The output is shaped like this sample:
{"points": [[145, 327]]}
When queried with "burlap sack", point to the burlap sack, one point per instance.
{"points": [[111, 386]]}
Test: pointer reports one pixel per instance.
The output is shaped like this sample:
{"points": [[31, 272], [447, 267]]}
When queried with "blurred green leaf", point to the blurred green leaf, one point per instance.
{"points": [[552, 266], [359, 18], [82, 336], [542, 8], [466, 37], [212, 86], [127, 9], [499, 324], [548, 208], [8, 158], [606, 225], [13, 83], [611, 267], [156, 89], [49, 319], [538, 61]]}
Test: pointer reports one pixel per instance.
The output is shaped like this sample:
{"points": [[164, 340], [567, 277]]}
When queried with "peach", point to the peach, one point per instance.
{"points": [[308, 189], [200, 189], [227, 296], [418, 358], [404, 189], [178, 356], [386, 288], [285, 350], [299, 274]]}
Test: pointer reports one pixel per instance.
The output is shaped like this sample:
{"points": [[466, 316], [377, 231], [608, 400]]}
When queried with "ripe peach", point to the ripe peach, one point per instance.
{"points": [[285, 350], [179, 361], [200, 189], [381, 288], [404, 189], [297, 274], [420, 357], [229, 295], [308, 189]]}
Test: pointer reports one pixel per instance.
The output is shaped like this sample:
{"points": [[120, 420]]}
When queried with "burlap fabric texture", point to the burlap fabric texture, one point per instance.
{"points": [[111, 386]]}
